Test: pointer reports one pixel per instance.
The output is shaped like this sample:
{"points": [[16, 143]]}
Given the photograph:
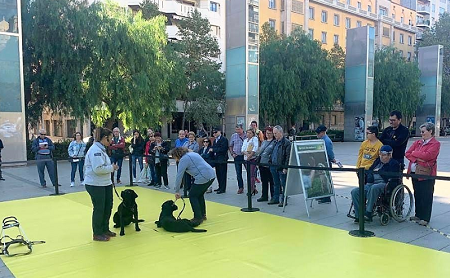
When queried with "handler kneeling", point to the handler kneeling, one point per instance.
{"points": [[203, 174]]}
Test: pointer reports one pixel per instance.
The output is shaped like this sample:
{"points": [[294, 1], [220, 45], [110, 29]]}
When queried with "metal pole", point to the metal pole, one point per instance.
{"points": [[249, 207], [56, 185], [130, 168], [362, 201]]}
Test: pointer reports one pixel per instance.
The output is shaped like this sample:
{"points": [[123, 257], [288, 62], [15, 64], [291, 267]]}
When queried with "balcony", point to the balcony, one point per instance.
{"points": [[253, 17], [254, 2], [423, 9], [423, 23], [419, 36]]}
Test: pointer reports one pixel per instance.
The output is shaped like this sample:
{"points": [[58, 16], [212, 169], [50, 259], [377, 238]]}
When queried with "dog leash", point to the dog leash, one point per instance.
{"points": [[184, 205], [114, 186]]}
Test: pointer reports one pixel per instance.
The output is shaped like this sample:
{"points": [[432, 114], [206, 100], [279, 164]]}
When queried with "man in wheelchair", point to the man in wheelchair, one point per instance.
{"points": [[376, 181]]}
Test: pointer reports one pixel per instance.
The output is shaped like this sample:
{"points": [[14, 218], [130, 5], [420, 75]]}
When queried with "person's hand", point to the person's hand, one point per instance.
{"points": [[116, 167], [234, 155], [284, 171], [45, 146], [210, 150], [177, 196]]}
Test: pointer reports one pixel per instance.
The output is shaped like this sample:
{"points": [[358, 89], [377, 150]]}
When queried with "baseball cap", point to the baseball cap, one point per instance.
{"points": [[321, 128], [386, 149]]}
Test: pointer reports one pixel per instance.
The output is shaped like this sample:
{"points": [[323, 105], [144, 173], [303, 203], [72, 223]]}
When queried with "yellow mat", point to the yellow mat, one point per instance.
{"points": [[237, 244]]}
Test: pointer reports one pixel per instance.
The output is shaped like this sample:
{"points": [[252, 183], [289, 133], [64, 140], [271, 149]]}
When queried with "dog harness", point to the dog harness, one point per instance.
{"points": [[21, 239]]}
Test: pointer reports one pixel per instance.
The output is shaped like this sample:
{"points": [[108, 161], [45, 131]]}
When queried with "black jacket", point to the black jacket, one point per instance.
{"points": [[220, 149], [392, 166], [139, 147], [207, 156], [1, 147], [165, 149], [397, 139], [283, 155]]}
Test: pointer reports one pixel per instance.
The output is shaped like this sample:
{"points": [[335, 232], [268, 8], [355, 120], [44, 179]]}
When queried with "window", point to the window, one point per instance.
{"points": [[271, 4], [369, 8], [297, 6], [441, 10], [393, 16], [71, 127], [358, 23], [336, 39], [57, 128], [348, 23], [401, 53], [333, 119], [272, 23], [383, 11], [215, 30], [311, 33], [311, 12], [349, 2], [409, 56], [324, 37], [401, 39], [433, 8], [47, 126], [401, 19], [393, 36], [336, 20], [386, 32], [282, 27], [359, 5], [409, 40], [324, 16], [296, 26], [214, 7]]}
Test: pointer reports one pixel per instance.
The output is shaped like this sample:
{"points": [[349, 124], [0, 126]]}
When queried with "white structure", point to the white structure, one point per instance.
{"points": [[175, 10]]}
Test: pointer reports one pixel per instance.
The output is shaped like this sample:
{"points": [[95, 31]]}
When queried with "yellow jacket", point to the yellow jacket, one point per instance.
{"points": [[368, 153]]}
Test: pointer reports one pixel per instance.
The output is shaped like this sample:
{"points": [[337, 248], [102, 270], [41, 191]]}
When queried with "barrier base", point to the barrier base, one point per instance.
{"points": [[249, 209], [54, 194], [358, 233]]}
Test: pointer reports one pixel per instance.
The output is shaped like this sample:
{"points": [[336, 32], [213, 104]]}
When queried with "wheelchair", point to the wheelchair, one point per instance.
{"points": [[396, 202]]}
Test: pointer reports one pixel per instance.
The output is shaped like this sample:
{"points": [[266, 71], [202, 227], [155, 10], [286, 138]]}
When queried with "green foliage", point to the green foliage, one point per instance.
{"points": [[129, 71], [197, 54], [149, 9], [337, 57], [204, 111], [297, 78], [440, 34], [56, 49], [396, 84]]}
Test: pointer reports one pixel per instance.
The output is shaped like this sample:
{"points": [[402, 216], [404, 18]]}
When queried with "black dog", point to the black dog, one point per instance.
{"points": [[170, 224], [127, 212]]}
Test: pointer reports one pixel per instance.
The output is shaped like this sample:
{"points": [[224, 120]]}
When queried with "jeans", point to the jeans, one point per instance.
{"points": [[372, 192], [266, 181], [80, 165], [238, 167], [279, 184], [423, 195], [102, 200], [197, 199], [133, 161], [50, 169], [153, 171], [119, 162], [1, 168], [161, 171]]}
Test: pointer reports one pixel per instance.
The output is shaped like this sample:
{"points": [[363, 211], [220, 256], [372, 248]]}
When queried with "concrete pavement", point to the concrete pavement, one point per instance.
{"points": [[22, 182]]}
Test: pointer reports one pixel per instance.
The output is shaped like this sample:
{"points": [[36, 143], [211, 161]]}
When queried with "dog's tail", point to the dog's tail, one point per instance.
{"points": [[198, 230]]}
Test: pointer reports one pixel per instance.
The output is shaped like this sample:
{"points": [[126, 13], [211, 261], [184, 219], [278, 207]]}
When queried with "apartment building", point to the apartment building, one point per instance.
{"points": [[428, 12], [328, 20], [175, 10]]}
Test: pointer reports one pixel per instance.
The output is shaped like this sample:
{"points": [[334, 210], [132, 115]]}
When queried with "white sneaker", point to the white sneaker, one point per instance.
{"points": [[166, 187], [72, 184], [134, 180]]}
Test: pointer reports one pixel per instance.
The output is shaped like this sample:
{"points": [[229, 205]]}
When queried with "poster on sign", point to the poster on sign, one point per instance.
{"points": [[313, 184]]}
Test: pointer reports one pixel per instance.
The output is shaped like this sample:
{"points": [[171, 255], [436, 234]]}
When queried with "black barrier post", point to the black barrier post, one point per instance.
{"points": [[56, 185], [362, 200], [249, 207], [130, 168]]}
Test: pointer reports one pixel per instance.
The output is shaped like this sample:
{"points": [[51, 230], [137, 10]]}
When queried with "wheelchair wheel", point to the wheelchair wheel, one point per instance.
{"points": [[384, 219], [401, 203]]}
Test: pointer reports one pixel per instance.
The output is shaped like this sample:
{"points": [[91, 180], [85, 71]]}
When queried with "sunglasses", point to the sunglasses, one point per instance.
{"points": [[42, 134], [205, 141], [369, 132]]}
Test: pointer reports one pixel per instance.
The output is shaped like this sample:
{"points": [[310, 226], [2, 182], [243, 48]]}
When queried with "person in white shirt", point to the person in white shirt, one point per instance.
{"points": [[98, 184], [249, 148]]}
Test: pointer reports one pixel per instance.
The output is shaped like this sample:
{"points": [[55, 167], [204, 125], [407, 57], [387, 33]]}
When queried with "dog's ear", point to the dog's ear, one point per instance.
{"points": [[135, 194]]}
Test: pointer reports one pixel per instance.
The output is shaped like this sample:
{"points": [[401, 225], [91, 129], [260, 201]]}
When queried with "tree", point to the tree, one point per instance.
{"points": [[128, 74], [337, 57], [197, 52], [56, 49], [396, 84], [440, 34], [149, 9], [297, 78], [205, 111]]}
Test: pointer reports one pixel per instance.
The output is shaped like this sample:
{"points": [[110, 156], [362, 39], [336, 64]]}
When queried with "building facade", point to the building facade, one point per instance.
{"points": [[328, 20], [12, 105]]}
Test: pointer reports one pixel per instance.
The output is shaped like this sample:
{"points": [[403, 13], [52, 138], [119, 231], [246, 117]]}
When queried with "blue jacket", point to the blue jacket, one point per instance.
{"points": [[37, 150], [329, 146], [77, 149]]}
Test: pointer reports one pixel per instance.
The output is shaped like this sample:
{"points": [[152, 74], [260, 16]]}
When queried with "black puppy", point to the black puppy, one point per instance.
{"points": [[127, 212], [170, 224]]}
